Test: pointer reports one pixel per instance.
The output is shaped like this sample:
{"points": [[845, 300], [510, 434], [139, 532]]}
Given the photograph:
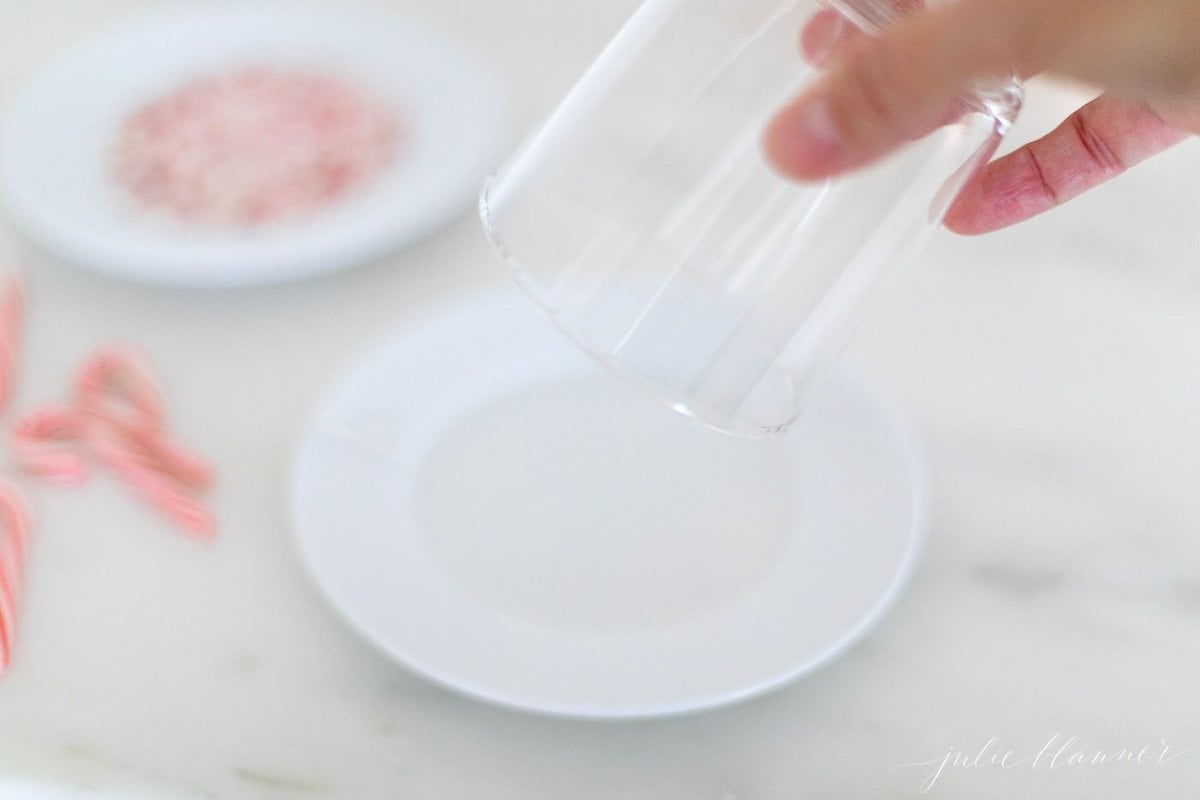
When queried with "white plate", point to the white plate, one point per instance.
{"points": [[55, 165], [494, 511]]}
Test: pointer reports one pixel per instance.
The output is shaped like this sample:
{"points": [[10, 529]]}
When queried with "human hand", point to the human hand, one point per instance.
{"points": [[879, 92]]}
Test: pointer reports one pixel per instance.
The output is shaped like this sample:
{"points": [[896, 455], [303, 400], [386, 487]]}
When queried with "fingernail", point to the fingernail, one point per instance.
{"points": [[815, 133], [820, 39], [804, 142]]}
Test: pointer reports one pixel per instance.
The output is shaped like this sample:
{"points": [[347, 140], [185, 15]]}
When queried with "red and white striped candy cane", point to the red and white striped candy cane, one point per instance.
{"points": [[116, 384], [148, 476], [117, 419], [46, 443], [14, 542], [12, 311]]}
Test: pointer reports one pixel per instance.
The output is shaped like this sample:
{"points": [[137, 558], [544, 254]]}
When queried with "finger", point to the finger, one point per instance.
{"points": [[825, 34], [889, 89], [1096, 143], [828, 31]]}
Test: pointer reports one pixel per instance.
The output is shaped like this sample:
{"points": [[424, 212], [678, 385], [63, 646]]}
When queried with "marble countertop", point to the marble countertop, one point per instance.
{"points": [[1054, 374]]}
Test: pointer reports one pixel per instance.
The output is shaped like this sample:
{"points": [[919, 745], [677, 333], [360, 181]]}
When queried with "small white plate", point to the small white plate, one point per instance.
{"points": [[56, 181], [491, 509]]}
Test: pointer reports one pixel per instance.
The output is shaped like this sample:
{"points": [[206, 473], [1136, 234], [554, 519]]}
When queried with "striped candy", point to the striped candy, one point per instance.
{"points": [[12, 311], [117, 421], [14, 541], [14, 510]]}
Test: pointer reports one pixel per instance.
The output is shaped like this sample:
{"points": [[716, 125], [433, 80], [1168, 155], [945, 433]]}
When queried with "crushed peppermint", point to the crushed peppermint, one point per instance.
{"points": [[253, 146]]}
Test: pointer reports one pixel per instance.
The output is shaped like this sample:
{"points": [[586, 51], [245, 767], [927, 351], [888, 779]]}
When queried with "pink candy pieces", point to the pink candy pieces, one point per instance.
{"points": [[14, 540], [254, 145], [117, 420]]}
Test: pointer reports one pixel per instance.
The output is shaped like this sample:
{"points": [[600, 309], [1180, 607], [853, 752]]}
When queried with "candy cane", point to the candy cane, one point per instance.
{"points": [[14, 541], [12, 305], [186, 467], [112, 378], [147, 477], [117, 419], [46, 443]]}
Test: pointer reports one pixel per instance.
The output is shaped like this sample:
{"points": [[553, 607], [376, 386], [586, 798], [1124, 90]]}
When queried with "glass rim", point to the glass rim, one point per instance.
{"points": [[722, 423]]}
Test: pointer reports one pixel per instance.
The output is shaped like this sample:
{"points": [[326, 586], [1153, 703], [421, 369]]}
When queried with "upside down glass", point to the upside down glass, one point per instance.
{"points": [[645, 221]]}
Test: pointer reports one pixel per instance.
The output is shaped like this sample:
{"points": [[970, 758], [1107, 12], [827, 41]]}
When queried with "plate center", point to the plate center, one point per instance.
{"points": [[582, 504]]}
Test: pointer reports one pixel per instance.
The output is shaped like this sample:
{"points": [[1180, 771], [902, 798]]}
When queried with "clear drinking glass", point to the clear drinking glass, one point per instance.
{"points": [[644, 220]]}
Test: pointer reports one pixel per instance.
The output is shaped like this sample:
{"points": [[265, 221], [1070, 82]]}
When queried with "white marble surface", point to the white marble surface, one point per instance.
{"points": [[1054, 372]]}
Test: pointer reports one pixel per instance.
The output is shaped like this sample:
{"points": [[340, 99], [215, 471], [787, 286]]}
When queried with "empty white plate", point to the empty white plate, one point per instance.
{"points": [[497, 513], [57, 182]]}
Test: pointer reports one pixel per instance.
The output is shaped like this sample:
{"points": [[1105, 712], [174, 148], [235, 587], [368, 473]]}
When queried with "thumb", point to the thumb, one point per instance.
{"points": [[889, 89]]}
